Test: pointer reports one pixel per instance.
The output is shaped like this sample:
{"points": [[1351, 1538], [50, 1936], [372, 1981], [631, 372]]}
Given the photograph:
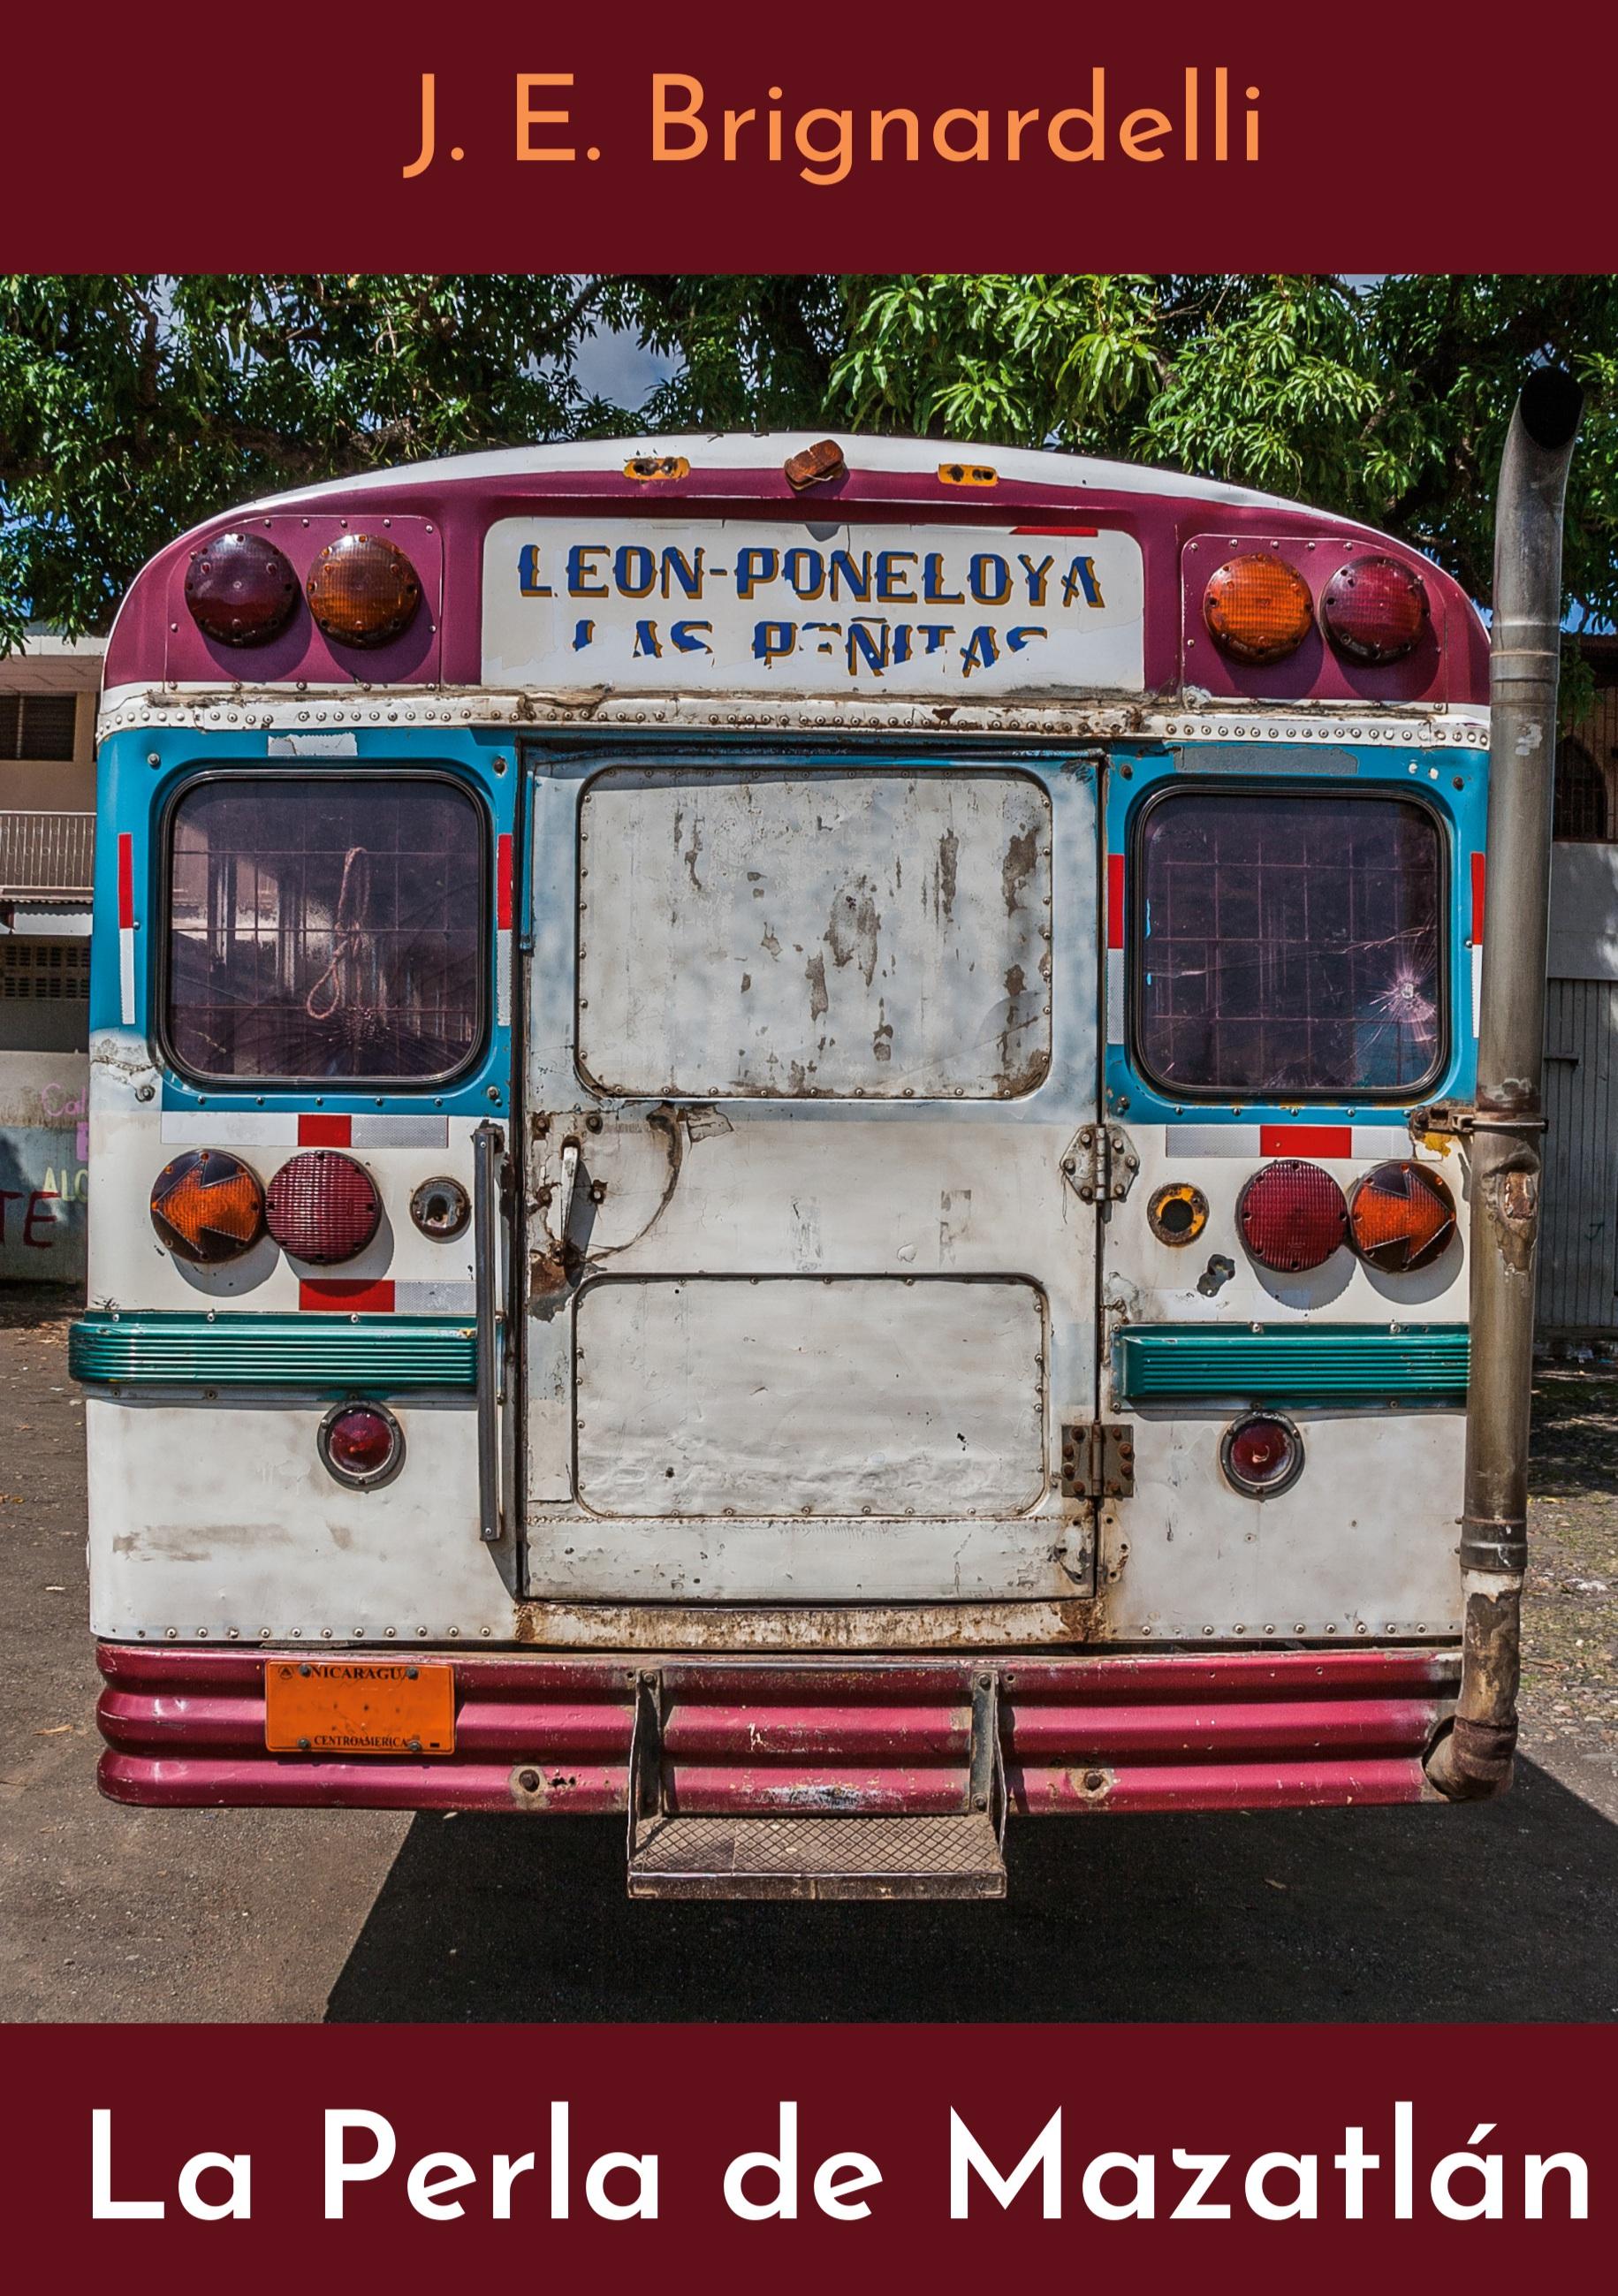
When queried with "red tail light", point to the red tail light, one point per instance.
{"points": [[1292, 1216], [1374, 609], [1261, 1455], [1401, 1217], [207, 1207], [361, 1444], [322, 1207], [363, 591], [241, 589]]}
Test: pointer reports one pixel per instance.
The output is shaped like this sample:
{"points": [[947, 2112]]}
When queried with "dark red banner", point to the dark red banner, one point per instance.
{"points": [[731, 138], [1143, 2158]]}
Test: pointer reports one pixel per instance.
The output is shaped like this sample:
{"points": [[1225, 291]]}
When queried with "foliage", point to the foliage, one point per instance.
{"points": [[1388, 402], [132, 407]]}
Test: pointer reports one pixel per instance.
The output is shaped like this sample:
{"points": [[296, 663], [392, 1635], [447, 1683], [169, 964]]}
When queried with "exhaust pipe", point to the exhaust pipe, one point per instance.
{"points": [[1474, 1757]]}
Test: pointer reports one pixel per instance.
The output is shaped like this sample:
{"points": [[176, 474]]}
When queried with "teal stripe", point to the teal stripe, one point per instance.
{"points": [[233, 1349], [1316, 1363]]}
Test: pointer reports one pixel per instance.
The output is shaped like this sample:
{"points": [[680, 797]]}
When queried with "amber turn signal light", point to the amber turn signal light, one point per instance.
{"points": [[207, 1207], [1257, 608], [1401, 1217], [363, 591], [813, 464]]}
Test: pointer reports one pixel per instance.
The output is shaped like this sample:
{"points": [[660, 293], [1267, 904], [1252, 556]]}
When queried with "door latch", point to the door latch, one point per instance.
{"points": [[1098, 1460], [1100, 1164]]}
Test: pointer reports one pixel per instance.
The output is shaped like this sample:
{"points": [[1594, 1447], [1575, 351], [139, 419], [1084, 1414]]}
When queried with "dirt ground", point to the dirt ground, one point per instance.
{"points": [[115, 1913], [1570, 1672]]}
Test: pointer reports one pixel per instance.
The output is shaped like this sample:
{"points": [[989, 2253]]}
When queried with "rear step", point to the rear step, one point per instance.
{"points": [[860, 1854], [818, 1858]]}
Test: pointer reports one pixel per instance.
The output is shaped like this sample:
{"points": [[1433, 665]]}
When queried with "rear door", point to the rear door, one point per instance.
{"points": [[809, 1295]]}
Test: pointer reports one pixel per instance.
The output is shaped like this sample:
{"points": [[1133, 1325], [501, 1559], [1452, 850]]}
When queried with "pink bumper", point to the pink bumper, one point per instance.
{"points": [[1231, 1730]]}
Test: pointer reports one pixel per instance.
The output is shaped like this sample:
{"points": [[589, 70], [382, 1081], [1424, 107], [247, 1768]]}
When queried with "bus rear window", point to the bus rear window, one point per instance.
{"points": [[1289, 944], [324, 928]]}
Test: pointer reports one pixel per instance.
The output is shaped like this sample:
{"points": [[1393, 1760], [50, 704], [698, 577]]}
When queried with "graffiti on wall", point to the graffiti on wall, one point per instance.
{"points": [[43, 1160]]}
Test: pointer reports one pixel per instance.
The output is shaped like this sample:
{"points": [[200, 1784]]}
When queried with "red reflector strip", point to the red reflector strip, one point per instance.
{"points": [[1055, 530], [125, 881], [325, 1131], [353, 1295], [1479, 867], [1306, 1140], [503, 883], [1114, 900]]}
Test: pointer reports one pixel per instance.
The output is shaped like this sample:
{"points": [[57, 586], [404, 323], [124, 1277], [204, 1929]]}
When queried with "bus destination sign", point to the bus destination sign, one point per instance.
{"points": [[811, 608]]}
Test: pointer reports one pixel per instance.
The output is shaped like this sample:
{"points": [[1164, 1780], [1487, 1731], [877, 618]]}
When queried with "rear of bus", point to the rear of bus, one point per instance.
{"points": [[772, 1153]]}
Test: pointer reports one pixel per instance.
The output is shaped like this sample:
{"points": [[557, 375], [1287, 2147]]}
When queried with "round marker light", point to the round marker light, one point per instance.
{"points": [[1177, 1212], [440, 1207], [1374, 609], [322, 1207], [241, 589], [207, 1207], [1401, 1218], [1261, 1455], [1257, 608], [1292, 1216], [363, 591], [361, 1444]]}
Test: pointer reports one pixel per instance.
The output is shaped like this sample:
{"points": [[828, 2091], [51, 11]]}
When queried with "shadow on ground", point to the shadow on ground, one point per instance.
{"points": [[1504, 1911], [1575, 1415]]}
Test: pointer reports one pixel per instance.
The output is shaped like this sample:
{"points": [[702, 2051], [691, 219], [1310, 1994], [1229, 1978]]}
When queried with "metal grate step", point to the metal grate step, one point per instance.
{"points": [[817, 1858]]}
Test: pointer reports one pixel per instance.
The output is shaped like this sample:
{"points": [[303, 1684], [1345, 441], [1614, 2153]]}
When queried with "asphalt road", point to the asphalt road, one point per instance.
{"points": [[114, 1914]]}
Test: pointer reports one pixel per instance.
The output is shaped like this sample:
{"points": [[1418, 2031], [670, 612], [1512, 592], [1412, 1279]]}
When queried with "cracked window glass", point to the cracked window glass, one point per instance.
{"points": [[1289, 945]]}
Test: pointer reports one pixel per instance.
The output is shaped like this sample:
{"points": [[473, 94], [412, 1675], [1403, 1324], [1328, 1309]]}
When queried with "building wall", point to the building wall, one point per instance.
{"points": [[44, 944], [1578, 1280]]}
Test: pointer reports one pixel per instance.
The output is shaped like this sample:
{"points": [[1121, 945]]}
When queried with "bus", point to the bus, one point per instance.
{"points": [[787, 1142]]}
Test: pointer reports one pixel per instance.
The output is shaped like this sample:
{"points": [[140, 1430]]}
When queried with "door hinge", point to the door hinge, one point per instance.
{"points": [[1098, 1460], [1100, 1163]]}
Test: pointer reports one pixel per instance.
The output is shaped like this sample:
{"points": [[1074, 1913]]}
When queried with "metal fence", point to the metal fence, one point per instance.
{"points": [[1579, 1245], [46, 855]]}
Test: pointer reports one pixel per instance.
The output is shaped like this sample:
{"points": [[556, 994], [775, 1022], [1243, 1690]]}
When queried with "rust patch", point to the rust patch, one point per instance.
{"points": [[1018, 1071], [534, 1788], [931, 1626], [1511, 1199], [949, 870], [852, 929], [1022, 859], [1473, 1760]]}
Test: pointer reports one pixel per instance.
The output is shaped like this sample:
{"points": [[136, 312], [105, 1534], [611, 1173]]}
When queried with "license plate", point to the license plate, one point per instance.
{"points": [[348, 1706]]}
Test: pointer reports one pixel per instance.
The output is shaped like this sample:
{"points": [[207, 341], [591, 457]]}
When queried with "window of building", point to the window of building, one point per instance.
{"points": [[326, 928], [37, 971], [1289, 944], [38, 726]]}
